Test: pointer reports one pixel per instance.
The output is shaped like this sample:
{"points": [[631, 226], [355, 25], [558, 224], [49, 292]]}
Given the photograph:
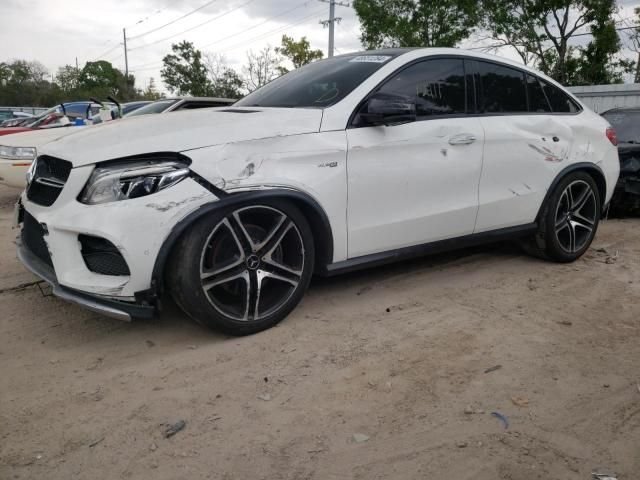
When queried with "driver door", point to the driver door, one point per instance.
{"points": [[416, 182]]}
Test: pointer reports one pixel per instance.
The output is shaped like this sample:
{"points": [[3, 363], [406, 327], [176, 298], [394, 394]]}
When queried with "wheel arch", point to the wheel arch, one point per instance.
{"points": [[591, 168], [310, 208]]}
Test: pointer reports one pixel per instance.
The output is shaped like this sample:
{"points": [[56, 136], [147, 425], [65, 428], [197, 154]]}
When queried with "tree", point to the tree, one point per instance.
{"points": [[225, 81], [261, 68], [299, 53], [68, 78], [151, 92], [416, 23], [632, 39], [184, 72], [101, 79], [541, 32]]}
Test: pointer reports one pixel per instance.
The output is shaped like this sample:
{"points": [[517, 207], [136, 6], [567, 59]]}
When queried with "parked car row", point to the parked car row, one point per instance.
{"points": [[345, 163], [7, 116], [20, 149], [626, 121]]}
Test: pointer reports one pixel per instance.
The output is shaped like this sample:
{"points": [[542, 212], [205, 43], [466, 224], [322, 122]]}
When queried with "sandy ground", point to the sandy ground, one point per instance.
{"points": [[395, 356]]}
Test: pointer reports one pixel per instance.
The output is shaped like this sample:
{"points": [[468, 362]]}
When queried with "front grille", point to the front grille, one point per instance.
{"points": [[48, 180], [103, 257], [33, 238]]}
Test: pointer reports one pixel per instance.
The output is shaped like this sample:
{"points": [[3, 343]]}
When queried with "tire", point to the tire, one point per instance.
{"points": [[243, 269], [568, 221]]}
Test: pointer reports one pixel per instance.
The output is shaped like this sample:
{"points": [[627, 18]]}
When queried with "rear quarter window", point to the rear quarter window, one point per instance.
{"points": [[560, 101], [501, 89]]}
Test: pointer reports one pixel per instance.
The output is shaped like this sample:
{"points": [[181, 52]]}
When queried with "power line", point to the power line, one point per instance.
{"points": [[98, 57], [269, 33], [173, 21], [192, 28], [152, 65], [304, 4]]}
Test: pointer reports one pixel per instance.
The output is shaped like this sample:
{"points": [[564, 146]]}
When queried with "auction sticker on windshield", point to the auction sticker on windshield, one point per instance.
{"points": [[371, 58]]}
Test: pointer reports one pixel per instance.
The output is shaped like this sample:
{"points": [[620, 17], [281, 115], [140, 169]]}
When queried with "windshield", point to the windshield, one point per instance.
{"points": [[319, 84], [155, 107], [626, 124]]}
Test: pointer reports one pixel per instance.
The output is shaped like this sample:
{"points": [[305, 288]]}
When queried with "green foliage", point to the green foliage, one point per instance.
{"points": [[24, 83], [184, 72], [227, 85], [300, 52], [151, 92], [261, 67], [541, 31], [416, 23]]}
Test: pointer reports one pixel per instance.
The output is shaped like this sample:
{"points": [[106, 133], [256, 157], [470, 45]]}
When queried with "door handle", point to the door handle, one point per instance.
{"points": [[462, 139]]}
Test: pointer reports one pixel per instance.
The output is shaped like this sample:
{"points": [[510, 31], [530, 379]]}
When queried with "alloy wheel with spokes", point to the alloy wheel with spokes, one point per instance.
{"points": [[568, 220], [252, 263], [576, 215], [244, 268]]}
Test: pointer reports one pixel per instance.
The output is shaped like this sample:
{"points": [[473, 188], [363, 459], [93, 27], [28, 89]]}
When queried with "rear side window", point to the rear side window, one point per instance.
{"points": [[560, 101], [502, 89], [437, 87], [537, 99]]}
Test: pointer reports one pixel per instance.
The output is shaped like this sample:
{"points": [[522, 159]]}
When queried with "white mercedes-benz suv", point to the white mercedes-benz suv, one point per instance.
{"points": [[345, 163]]}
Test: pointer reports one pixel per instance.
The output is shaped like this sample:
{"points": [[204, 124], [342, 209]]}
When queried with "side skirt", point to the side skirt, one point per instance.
{"points": [[382, 258]]}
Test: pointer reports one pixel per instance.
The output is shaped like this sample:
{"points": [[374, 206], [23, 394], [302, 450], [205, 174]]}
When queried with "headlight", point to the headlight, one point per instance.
{"points": [[17, 153], [122, 181]]}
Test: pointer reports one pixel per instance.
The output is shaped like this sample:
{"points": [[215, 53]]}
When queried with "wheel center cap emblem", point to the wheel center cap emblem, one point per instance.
{"points": [[253, 262]]}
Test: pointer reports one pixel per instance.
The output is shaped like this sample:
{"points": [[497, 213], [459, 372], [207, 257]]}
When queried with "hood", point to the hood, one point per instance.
{"points": [[181, 131], [37, 138], [10, 130]]}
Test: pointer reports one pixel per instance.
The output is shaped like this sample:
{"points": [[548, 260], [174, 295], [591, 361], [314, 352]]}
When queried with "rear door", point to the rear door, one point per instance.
{"points": [[525, 145], [416, 182]]}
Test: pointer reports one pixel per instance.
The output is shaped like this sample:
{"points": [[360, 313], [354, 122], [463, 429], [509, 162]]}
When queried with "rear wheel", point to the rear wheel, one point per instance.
{"points": [[245, 268], [569, 220]]}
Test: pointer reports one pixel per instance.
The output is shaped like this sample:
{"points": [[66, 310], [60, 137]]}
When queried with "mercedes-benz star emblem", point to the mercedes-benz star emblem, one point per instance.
{"points": [[253, 262]]}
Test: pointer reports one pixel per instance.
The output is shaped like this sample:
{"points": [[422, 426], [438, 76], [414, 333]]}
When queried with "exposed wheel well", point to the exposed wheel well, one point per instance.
{"points": [[313, 213], [322, 235], [590, 169]]}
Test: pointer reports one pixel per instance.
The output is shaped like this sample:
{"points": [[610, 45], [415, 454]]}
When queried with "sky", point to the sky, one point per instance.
{"points": [[56, 32]]}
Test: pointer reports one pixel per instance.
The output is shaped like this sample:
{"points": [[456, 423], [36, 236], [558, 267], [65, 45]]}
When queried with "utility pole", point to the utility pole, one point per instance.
{"points": [[126, 59], [332, 21]]}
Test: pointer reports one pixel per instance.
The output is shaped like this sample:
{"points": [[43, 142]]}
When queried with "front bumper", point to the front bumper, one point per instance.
{"points": [[138, 229], [111, 308]]}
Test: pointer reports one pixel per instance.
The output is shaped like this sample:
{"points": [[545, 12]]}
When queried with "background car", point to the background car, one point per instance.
{"points": [[13, 117], [13, 169], [182, 103], [64, 114], [133, 106], [626, 121]]}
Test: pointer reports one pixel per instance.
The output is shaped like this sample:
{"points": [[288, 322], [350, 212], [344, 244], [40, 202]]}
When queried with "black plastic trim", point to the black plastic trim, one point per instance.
{"points": [[473, 72], [234, 199], [382, 258], [111, 308], [218, 192]]}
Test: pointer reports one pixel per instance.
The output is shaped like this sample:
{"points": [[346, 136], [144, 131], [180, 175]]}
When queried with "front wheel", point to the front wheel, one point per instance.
{"points": [[569, 220], [245, 268]]}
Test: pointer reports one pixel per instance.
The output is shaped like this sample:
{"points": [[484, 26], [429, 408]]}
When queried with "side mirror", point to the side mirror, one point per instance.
{"points": [[388, 109]]}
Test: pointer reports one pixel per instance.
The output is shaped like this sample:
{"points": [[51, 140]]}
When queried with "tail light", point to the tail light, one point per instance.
{"points": [[611, 135]]}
